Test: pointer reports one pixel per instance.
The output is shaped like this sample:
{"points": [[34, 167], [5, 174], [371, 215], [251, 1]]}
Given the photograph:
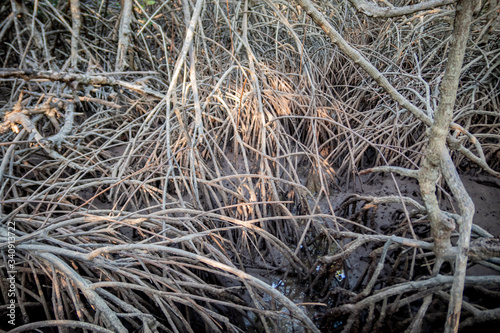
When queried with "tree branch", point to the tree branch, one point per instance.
{"points": [[124, 33], [76, 79], [370, 9], [361, 61], [108, 316], [76, 22], [443, 118]]}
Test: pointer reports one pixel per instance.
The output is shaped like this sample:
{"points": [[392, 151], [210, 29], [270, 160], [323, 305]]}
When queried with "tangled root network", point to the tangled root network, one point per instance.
{"points": [[180, 166]]}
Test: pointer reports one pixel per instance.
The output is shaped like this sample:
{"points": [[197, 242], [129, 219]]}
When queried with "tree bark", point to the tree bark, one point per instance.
{"points": [[370, 9], [76, 19], [437, 161], [124, 34]]}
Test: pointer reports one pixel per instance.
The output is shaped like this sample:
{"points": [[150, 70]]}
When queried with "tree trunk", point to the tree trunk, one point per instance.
{"points": [[437, 161]]}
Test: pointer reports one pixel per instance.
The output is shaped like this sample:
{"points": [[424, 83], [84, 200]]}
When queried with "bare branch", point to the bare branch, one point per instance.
{"points": [[109, 316], [485, 248], [400, 171], [373, 10], [75, 32], [361, 61], [61, 323], [67, 127], [124, 34], [75, 79]]}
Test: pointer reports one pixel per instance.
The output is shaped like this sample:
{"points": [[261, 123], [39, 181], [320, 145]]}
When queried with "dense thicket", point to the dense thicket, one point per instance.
{"points": [[161, 159]]}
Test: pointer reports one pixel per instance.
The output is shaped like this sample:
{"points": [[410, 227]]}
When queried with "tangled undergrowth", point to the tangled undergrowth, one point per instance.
{"points": [[145, 172]]}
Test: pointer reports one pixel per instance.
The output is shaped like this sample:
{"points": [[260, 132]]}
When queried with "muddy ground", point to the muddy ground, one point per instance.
{"points": [[484, 190]]}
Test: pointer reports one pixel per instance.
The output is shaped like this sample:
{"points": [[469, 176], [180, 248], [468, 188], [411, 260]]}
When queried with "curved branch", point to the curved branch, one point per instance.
{"points": [[60, 323], [439, 280], [58, 138], [370, 9], [109, 316], [95, 256]]}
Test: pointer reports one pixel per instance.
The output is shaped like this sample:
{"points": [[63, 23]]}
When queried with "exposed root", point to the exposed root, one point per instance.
{"points": [[156, 152]]}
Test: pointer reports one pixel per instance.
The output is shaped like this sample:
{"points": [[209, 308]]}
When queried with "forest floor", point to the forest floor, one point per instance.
{"points": [[484, 190]]}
